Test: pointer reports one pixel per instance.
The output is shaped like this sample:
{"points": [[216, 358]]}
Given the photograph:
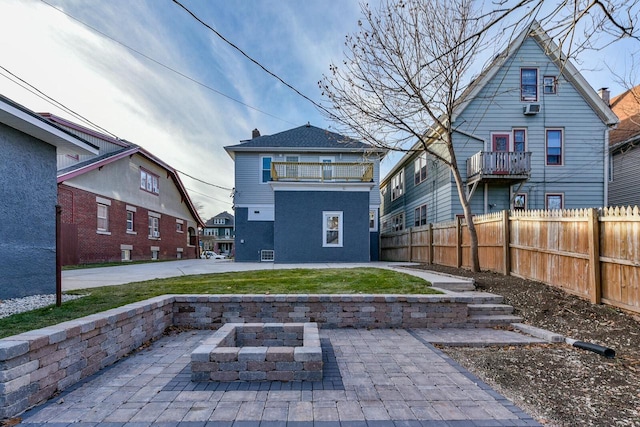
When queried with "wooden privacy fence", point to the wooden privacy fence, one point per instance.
{"points": [[592, 253]]}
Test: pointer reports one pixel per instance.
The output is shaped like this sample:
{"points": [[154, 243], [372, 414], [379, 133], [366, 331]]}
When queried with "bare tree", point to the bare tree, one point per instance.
{"points": [[403, 71], [406, 70]]}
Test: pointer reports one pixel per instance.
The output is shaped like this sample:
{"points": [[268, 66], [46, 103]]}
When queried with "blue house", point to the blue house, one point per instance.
{"points": [[530, 133], [306, 195], [28, 198]]}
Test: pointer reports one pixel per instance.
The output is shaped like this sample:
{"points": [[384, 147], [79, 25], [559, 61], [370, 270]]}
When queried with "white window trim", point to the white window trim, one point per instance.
{"points": [[261, 169], [151, 232], [105, 230], [418, 171], [525, 201], [394, 180], [376, 219], [419, 216], [325, 215]]}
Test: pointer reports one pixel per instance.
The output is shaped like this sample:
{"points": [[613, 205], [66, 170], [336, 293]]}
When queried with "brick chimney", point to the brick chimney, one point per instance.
{"points": [[255, 133], [605, 94]]}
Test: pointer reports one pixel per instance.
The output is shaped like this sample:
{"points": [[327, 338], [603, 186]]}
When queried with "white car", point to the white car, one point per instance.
{"points": [[211, 254]]}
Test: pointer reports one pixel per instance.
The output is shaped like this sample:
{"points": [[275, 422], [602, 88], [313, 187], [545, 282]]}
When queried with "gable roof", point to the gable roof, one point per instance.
{"points": [[307, 138], [226, 215], [551, 49], [627, 107], [567, 69], [131, 149], [26, 121]]}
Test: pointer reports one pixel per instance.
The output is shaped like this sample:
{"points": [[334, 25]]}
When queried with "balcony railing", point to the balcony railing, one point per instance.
{"points": [[335, 171], [499, 164]]}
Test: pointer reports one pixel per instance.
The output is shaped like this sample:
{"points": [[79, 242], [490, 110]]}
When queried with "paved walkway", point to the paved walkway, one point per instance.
{"points": [[119, 275], [372, 378]]}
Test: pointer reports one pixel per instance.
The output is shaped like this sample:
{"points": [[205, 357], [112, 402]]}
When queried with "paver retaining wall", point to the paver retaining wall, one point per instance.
{"points": [[35, 365]]}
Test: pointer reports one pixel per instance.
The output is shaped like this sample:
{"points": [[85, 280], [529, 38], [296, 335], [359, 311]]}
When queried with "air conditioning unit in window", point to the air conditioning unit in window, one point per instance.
{"points": [[531, 109], [156, 234]]}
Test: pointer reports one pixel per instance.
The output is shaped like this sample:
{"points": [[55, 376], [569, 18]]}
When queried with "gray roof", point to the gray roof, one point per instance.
{"points": [[226, 215], [305, 137]]}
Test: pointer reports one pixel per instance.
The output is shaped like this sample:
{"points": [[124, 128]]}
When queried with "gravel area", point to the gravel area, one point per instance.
{"points": [[19, 305], [558, 384]]}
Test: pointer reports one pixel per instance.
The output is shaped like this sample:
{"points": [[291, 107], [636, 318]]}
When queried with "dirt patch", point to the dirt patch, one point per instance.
{"points": [[558, 384]]}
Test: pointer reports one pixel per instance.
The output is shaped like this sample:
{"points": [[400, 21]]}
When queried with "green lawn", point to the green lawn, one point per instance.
{"points": [[296, 281]]}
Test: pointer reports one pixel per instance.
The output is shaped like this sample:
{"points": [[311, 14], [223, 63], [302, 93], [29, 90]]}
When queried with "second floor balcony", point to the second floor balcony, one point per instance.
{"points": [[498, 166], [322, 172]]}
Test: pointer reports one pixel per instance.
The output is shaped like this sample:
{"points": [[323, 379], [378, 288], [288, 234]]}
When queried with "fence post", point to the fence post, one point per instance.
{"points": [[506, 236], [430, 243], [410, 248], [593, 229], [458, 242]]}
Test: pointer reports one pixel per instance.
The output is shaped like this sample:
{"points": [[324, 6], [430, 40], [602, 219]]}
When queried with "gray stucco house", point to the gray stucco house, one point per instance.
{"points": [[306, 195], [530, 133], [28, 197]]}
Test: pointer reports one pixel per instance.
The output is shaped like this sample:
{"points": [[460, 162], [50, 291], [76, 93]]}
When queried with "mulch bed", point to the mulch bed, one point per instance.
{"points": [[558, 384]]}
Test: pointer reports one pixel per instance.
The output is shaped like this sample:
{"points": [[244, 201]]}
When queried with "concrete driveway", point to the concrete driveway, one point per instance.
{"points": [[119, 275]]}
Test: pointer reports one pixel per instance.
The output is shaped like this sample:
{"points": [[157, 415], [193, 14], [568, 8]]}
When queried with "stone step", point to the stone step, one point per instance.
{"points": [[489, 309], [454, 286], [492, 321]]}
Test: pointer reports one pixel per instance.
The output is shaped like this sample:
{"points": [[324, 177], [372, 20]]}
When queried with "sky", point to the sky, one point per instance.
{"points": [[147, 72]]}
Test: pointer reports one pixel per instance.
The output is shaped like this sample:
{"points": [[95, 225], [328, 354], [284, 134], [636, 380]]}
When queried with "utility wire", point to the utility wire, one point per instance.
{"points": [[205, 182], [28, 86], [21, 82], [265, 69], [166, 66], [209, 197]]}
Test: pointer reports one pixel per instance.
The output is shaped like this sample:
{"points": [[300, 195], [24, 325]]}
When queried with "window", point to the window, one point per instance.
{"points": [[332, 229], [149, 182], [267, 255], [520, 202], [154, 227], [549, 85], [554, 201], [397, 186], [373, 220], [529, 84], [397, 222], [154, 253], [519, 140], [215, 231], [218, 221], [420, 169], [420, 216], [130, 221], [179, 226], [266, 169], [125, 252], [103, 217], [227, 232], [554, 147]]}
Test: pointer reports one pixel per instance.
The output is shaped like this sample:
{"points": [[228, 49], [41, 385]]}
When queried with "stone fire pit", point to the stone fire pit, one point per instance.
{"points": [[259, 352]]}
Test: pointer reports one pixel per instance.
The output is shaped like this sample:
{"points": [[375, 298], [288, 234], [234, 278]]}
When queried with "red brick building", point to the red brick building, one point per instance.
{"points": [[123, 205]]}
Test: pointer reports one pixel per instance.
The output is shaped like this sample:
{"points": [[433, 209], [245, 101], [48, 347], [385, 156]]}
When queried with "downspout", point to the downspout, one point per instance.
{"points": [[606, 167]]}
